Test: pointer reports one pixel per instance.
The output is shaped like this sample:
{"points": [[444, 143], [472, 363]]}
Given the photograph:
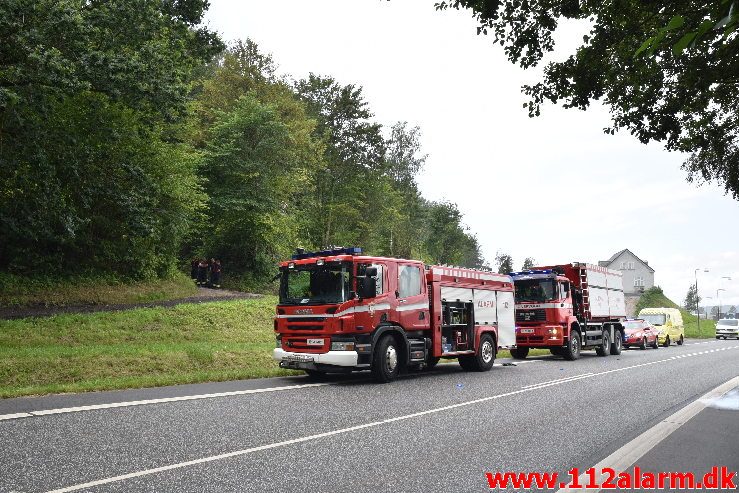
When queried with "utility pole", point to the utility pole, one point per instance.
{"points": [[697, 301]]}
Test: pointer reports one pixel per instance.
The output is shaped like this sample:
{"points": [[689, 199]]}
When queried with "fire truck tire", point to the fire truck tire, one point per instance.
{"points": [[483, 359], [572, 350], [520, 352], [680, 341], [617, 343], [605, 345], [386, 360], [667, 342], [431, 362]]}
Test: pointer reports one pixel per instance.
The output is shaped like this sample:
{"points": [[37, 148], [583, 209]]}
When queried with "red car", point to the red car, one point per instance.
{"points": [[640, 333]]}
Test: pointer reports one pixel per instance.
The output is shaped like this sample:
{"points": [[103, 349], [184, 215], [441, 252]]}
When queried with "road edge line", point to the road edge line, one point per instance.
{"points": [[621, 459]]}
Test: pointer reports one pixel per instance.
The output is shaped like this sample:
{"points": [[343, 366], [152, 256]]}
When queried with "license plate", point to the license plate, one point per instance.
{"points": [[298, 357], [527, 331], [315, 342]]}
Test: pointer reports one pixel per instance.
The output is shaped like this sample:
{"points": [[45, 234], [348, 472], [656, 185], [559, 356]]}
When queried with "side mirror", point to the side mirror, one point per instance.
{"points": [[368, 286]]}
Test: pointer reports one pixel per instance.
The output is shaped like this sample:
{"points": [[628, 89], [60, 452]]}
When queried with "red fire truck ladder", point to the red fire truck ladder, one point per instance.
{"points": [[584, 289]]}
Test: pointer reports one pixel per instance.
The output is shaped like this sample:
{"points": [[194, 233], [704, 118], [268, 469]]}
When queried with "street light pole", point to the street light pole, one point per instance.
{"points": [[719, 302], [697, 301]]}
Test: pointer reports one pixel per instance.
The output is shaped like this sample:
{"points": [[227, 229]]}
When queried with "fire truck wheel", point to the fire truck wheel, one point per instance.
{"points": [[386, 360], [667, 342], [484, 358], [315, 374], [431, 362], [680, 341], [572, 351], [520, 352], [605, 345], [617, 344]]}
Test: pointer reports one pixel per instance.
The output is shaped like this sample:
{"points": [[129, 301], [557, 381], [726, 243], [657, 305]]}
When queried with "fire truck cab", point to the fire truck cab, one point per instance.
{"points": [[341, 311]]}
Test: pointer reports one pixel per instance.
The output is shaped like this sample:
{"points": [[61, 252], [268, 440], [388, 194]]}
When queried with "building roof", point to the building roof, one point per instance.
{"points": [[608, 262]]}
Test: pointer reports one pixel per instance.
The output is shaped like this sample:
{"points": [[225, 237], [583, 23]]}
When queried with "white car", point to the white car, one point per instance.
{"points": [[727, 327]]}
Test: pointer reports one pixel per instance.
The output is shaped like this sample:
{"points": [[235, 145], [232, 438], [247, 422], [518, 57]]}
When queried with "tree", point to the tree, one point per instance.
{"points": [[504, 262], [93, 173], [528, 263], [346, 196], [666, 69], [255, 164], [692, 300]]}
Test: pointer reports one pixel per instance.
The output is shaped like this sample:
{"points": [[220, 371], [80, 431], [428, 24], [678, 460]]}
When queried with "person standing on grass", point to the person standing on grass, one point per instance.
{"points": [[202, 272], [194, 270], [215, 273]]}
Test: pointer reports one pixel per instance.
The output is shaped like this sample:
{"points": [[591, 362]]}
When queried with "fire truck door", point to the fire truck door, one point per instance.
{"points": [[413, 304]]}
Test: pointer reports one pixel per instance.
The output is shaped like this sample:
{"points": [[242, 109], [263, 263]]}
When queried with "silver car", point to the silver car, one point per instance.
{"points": [[727, 327]]}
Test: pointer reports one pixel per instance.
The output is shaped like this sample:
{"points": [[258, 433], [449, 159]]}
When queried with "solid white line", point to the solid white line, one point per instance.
{"points": [[14, 416], [156, 401], [627, 455], [334, 432]]}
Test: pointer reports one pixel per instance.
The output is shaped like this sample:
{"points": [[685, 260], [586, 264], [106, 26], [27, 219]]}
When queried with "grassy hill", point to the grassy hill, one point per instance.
{"points": [[23, 291], [655, 298]]}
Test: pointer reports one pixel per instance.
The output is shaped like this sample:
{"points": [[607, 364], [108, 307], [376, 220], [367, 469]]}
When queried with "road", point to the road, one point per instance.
{"points": [[432, 431]]}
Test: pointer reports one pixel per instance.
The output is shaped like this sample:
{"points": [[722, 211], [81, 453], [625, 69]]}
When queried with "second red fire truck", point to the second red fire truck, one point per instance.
{"points": [[567, 308], [341, 311]]}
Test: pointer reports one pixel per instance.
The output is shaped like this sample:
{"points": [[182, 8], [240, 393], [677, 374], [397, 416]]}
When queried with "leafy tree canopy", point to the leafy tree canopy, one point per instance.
{"points": [[667, 69]]}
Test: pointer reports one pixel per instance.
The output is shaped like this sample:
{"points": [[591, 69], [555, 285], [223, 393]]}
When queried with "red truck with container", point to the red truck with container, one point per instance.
{"points": [[341, 311], [567, 308]]}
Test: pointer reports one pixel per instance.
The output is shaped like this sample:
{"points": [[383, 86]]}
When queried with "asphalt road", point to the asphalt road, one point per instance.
{"points": [[432, 431]]}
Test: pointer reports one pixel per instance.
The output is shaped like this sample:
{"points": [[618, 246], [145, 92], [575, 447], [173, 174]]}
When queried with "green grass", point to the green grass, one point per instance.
{"points": [[655, 298], [21, 291], [138, 348]]}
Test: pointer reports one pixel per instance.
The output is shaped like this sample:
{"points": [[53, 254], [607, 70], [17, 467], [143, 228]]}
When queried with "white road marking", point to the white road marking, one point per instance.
{"points": [[156, 401], [627, 455], [341, 431], [14, 416]]}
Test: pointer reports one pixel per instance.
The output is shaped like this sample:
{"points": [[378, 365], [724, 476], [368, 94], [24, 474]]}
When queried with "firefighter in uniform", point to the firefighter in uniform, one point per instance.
{"points": [[215, 273], [202, 272]]}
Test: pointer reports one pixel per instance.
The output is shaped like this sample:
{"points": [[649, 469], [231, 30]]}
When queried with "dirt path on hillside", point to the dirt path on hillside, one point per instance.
{"points": [[204, 295]]}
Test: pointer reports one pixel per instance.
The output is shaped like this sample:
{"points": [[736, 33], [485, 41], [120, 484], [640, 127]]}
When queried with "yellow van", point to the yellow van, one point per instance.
{"points": [[669, 321]]}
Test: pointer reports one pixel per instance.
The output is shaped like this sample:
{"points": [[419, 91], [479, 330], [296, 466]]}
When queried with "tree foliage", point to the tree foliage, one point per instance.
{"points": [[666, 69], [91, 177], [528, 263], [504, 262], [692, 300]]}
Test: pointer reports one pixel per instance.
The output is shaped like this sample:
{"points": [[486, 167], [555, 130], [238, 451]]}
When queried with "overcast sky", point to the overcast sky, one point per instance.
{"points": [[554, 188]]}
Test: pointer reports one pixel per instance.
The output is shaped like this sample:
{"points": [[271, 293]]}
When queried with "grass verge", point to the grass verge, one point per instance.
{"points": [[21, 291], [138, 348]]}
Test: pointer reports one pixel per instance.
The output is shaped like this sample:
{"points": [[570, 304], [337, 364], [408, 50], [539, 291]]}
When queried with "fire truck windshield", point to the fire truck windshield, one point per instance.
{"points": [[314, 284], [538, 290]]}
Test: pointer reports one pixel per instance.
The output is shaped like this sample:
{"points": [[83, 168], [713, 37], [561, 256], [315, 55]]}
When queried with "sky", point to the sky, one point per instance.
{"points": [[554, 188]]}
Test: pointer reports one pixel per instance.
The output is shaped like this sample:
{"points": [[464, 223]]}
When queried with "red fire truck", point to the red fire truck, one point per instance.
{"points": [[341, 311], [566, 308]]}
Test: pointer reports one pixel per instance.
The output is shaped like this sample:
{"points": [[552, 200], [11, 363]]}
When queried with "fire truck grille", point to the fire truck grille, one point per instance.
{"points": [[538, 315], [304, 327]]}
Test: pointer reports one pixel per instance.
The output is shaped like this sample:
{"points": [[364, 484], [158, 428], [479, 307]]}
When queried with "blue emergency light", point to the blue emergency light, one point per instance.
{"points": [[301, 254]]}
